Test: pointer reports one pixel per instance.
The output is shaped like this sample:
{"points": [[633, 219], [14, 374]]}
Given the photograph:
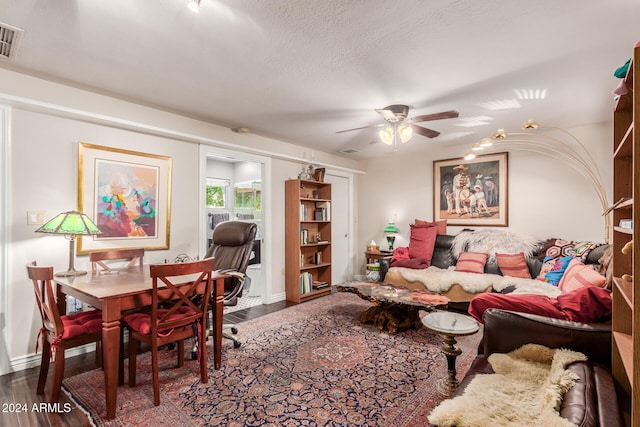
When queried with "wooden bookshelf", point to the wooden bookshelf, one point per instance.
{"points": [[307, 239], [625, 362]]}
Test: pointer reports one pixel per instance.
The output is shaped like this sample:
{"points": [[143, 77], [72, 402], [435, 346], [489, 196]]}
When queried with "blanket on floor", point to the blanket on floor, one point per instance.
{"points": [[439, 280]]}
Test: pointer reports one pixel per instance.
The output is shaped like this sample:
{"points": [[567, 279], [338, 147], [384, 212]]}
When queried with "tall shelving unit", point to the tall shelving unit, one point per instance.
{"points": [[307, 239], [626, 267]]}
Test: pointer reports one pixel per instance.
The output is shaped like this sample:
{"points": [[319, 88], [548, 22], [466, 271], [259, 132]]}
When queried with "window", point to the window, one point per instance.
{"points": [[248, 195], [217, 190]]}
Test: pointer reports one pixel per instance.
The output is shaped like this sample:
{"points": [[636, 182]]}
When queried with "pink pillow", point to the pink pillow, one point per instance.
{"points": [[471, 262], [513, 265], [578, 275], [422, 242], [442, 225]]}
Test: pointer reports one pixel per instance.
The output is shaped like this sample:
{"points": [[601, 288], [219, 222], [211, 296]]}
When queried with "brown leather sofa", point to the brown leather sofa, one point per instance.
{"points": [[592, 400]]}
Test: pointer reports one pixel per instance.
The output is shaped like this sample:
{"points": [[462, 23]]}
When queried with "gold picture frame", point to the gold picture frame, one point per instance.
{"points": [[127, 194], [472, 192]]}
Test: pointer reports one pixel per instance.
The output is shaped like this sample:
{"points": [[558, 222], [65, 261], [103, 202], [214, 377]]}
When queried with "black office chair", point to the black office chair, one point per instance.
{"points": [[231, 248]]}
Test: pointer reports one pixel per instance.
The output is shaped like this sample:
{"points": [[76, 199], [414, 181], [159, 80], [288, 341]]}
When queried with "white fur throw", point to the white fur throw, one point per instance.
{"points": [[526, 390], [490, 241], [438, 280]]}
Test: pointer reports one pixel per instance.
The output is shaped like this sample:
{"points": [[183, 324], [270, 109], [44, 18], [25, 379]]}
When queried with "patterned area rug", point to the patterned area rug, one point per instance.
{"points": [[313, 364]]}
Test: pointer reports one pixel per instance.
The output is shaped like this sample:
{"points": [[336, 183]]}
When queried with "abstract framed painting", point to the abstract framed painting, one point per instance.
{"points": [[472, 192], [128, 196]]}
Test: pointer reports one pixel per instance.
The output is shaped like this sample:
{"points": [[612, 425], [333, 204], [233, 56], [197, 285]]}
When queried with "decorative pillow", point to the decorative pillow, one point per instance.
{"points": [[471, 262], [422, 242], [513, 265], [590, 304], [582, 249], [556, 248], [553, 269], [442, 225], [578, 275]]}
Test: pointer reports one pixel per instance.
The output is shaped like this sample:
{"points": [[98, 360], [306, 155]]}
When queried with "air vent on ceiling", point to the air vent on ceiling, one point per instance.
{"points": [[349, 151], [10, 38]]}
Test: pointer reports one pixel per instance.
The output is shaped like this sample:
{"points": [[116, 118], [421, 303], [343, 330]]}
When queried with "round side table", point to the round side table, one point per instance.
{"points": [[450, 325]]}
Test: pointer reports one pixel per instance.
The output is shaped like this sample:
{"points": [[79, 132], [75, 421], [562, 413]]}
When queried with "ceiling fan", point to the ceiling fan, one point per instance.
{"points": [[402, 126]]}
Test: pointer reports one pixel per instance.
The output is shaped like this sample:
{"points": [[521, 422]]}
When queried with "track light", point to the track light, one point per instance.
{"points": [[194, 5], [530, 124]]}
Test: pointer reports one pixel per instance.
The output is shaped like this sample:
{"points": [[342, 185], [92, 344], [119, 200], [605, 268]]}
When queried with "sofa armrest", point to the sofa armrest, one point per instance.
{"points": [[505, 331]]}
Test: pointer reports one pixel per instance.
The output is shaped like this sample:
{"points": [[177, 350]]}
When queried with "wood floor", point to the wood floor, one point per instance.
{"points": [[18, 390]]}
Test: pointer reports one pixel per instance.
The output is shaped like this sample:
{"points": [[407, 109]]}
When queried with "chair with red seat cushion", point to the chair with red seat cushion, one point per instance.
{"points": [[173, 313], [59, 333]]}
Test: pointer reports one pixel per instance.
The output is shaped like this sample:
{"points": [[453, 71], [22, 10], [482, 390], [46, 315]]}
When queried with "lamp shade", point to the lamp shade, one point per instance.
{"points": [[72, 223], [391, 228]]}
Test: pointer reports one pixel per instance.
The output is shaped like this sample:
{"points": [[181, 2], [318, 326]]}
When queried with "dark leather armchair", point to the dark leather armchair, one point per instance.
{"points": [[592, 400], [231, 248]]}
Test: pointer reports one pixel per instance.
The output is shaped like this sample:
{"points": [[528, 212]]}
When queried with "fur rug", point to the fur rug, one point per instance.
{"points": [[526, 390], [490, 241], [438, 280]]}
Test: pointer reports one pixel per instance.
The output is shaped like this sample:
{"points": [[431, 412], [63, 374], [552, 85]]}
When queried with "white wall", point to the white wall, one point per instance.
{"points": [[546, 197], [46, 122]]}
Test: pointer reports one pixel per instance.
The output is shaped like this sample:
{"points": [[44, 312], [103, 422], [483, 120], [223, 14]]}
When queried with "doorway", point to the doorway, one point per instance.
{"points": [[234, 187]]}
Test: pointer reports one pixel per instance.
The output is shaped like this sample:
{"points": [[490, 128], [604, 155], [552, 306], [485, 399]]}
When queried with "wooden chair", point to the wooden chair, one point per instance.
{"points": [[172, 316], [59, 333], [98, 258]]}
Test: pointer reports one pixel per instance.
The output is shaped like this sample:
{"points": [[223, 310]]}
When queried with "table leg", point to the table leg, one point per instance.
{"points": [[449, 384], [217, 322], [111, 355]]}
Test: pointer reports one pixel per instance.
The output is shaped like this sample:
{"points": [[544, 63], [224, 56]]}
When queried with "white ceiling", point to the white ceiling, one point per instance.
{"points": [[301, 70]]}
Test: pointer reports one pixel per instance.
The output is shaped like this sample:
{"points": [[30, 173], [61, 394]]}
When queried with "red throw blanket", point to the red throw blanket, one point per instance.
{"points": [[401, 258]]}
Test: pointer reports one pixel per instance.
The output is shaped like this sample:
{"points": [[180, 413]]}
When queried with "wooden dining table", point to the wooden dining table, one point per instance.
{"points": [[119, 290]]}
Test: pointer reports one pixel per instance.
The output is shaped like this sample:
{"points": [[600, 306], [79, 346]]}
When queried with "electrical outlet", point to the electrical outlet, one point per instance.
{"points": [[35, 218]]}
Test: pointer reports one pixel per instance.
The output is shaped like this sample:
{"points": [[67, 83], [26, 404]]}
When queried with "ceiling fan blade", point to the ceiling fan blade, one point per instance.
{"points": [[436, 116], [387, 114], [429, 133], [360, 128]]}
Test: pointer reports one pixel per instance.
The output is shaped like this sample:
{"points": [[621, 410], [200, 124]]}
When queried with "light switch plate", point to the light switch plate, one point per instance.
{"points": [[35, 218]]}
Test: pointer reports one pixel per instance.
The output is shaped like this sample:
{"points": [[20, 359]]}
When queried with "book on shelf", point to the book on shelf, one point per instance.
{"points": [[306, 282], [317, 284], [323, 209], [303, 212], [317, 258], [304, 236]]}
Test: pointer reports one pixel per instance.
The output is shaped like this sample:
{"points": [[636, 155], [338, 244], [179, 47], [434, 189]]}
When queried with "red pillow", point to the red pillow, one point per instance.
{"points": [[422, 242], [586, 305], [471, 262], [513, 265], [442, 225]]}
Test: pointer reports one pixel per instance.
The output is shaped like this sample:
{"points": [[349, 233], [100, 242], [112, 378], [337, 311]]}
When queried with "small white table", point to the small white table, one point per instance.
{"points": [[450, 325]]}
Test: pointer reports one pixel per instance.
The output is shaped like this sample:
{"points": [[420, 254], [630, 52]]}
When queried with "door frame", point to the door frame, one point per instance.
{"points": [[266, 247], [350, 218]]}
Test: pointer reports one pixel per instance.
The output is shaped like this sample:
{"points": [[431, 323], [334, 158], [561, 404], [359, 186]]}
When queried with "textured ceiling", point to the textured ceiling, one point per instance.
{"points": [[300, 71]]}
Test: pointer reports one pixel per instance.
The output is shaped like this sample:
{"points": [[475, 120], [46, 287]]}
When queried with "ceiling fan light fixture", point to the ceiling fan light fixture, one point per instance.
{"points": [[485, 142], [194, 6], [406, 133], [530, 124], [500, 134], [386, 135]]}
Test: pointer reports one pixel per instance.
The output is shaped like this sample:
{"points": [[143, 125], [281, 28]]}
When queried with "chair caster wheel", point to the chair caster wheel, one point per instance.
{"points": [[234, 331], [236, 344]]}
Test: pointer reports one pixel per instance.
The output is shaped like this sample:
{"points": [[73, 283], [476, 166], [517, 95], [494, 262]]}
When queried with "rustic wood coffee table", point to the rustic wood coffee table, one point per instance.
{"points": [[395, 308]]}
